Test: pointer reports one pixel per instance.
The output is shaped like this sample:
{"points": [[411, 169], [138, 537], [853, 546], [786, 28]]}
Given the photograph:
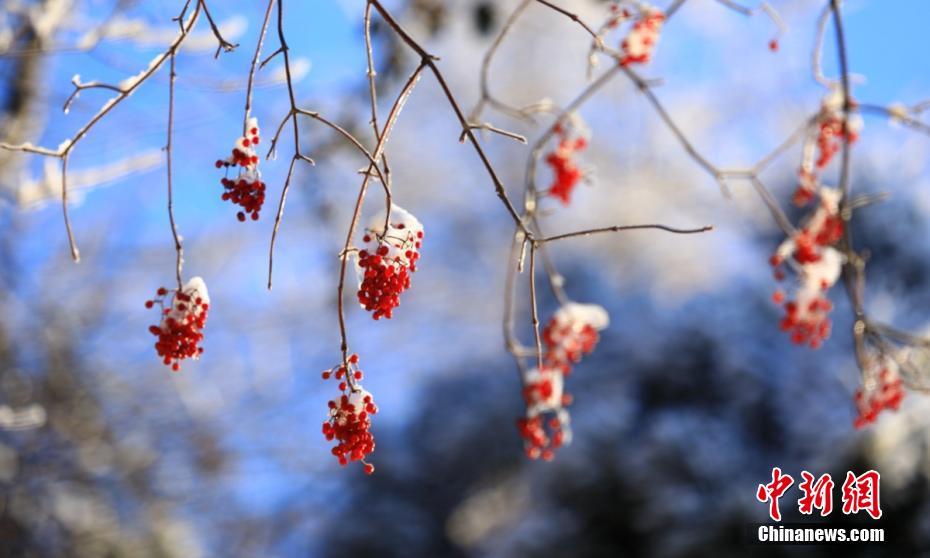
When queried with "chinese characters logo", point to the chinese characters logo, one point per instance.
{"points": [[860, 493]]}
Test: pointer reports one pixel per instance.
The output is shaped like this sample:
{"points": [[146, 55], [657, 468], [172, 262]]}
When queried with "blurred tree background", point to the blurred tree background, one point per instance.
{"points": [[692, 396]]}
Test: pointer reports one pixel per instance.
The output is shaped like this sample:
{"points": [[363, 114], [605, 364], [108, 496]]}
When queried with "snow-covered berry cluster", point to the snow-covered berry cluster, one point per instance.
{"points": [[349, 422], [572, 137], [547, 423], [183, 317], [386, 259], [571, 333], [247, 189], [641, 40], [818, 265], [882, 389], [825, 141]]}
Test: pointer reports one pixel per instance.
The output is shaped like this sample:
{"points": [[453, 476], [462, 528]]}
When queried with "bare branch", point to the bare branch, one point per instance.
{"points": [[618, 228], [223, 44], [252, 67], [179, 250]]}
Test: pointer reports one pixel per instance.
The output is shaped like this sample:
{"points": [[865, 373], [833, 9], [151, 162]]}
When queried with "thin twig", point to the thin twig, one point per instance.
{"points": [[618, 228], [179, 251], [534, 312], [430, 61], [223, 45], [379, 149], [297, 156], [572, 16], [64, 150], [373, 98], [75, 253], [251, 80]]}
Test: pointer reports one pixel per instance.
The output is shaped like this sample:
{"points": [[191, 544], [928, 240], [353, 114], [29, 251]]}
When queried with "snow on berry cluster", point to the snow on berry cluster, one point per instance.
{"points": [[247, 189], [546, 426], [571, 333], [818, 265], [824, 143], [572, 137], [349, 422], [386, 259], [183, 317], [640, 42], [882, 389]]}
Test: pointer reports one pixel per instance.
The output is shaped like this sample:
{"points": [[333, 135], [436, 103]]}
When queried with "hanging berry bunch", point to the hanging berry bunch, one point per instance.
{"points": [[571, 333], [882, 389], [546, 426], [247, 189], [183, 317], [818, 265], [386, 260], [824, 143], [349, 422], [640, 42], [572, 137], [619, 13]]}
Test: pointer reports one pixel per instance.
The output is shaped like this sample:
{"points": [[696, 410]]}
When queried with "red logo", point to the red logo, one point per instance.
{"points": [[860, 493]]}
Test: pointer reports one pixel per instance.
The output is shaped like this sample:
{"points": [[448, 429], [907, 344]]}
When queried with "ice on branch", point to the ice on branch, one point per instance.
{"points": [[247, 189], [131, 82], [349, 421], [898, 113], [183, 317], [142, 34], [35, 192], [385, 260], [572, 333]]}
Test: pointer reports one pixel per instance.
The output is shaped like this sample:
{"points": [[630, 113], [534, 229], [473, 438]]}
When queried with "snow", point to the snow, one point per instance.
{"points": [[587, 314], [131, 82], [197, 288], [825, 271], [554, 401]]}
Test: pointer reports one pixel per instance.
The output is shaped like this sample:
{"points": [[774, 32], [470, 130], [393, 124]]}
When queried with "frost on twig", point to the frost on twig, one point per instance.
{"points": [[33, 192]]}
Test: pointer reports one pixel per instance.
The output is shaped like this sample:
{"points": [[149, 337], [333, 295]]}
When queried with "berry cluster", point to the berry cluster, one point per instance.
{"points": [[388, 258], [566, 173], [182, 321], [818, 265], [246, 190], [546, 425], [618, 14], [881, 390], [571, 333], [349, 421], [822, 146], [640, 42]]}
